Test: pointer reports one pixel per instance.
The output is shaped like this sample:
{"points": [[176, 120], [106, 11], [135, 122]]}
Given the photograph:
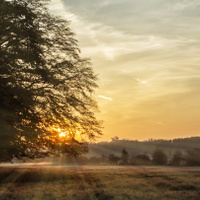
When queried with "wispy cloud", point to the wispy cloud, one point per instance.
{"points": [[108, 98], [147, 56]]}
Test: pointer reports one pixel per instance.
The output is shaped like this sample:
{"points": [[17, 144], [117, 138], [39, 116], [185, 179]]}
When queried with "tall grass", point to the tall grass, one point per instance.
{"points": [[102, 183]]}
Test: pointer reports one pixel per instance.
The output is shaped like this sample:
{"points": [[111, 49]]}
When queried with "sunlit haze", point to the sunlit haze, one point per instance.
{"points": [[147, 56]]}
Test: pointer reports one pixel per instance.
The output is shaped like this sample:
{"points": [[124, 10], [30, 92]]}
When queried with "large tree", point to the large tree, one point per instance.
{"points": [[45, 86]]}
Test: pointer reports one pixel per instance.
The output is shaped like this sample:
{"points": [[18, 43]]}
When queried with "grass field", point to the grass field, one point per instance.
{"points": [[102, 183]]}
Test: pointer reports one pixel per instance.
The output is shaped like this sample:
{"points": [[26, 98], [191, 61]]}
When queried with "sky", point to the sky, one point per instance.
{"points": [[146, 54]]}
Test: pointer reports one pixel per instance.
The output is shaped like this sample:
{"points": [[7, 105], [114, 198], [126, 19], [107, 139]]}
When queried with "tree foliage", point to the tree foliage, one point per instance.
{"points": [[113, 158], [159, 157], [45, 86], [177, 158], [192, 157], [140, 159], [124, 156]]}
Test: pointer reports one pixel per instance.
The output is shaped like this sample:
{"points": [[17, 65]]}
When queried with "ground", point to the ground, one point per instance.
{"points": [[101, 183]]}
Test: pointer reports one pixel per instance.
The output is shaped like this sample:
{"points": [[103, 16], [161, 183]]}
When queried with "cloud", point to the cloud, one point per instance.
{"points": [[147, 56], [156, 17], [108, 98]]}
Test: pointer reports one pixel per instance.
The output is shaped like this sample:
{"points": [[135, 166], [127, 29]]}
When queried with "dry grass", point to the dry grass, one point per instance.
{"points": [[102, 183]]}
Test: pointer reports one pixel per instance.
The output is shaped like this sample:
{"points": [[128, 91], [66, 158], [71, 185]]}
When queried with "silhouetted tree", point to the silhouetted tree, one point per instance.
{"points": [[141, 159], [115, 138], [45, 86], [192, 157], [159, 157], [177, 158], [124, 156], [113, 158]]}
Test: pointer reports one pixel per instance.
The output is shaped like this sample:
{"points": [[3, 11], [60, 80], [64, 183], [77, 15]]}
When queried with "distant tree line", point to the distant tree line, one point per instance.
{"points": [[159, 157], [147, 147]]}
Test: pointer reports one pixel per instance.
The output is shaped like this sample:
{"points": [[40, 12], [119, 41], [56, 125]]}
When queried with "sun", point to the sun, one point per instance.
{"points": [[62, 134]]}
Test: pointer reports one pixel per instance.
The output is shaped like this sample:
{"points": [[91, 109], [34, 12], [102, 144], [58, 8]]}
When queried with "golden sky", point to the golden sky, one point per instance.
{"points": [[147, 56]]}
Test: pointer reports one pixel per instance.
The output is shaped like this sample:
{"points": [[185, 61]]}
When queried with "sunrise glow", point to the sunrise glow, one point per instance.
{"points": [[149, 72], [62, 134]]}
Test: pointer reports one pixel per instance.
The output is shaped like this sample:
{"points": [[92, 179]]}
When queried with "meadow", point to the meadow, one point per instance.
{"points": [[101, 183]]}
